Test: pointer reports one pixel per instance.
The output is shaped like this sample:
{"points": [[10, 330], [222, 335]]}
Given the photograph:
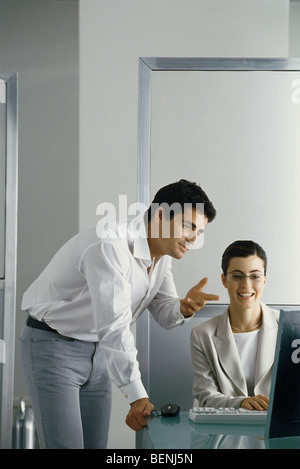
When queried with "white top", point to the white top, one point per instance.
{"points": [[247, 343], [95, 288]]}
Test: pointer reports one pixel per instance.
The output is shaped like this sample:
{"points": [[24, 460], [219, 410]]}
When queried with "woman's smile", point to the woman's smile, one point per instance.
{"points": [[245, 295]]}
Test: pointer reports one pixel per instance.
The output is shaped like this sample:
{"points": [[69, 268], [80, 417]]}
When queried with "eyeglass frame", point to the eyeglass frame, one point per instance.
{"points": [[243, 276]]}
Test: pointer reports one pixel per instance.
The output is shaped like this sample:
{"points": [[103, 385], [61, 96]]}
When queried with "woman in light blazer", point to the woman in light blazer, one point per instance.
{"points": [[233, 354]]}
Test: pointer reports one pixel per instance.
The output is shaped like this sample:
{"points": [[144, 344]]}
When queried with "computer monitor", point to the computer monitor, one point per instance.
{"points": [[283, 418]]}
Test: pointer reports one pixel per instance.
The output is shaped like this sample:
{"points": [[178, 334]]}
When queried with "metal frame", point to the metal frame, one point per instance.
{"points": [[8, 94], [146, 66]]}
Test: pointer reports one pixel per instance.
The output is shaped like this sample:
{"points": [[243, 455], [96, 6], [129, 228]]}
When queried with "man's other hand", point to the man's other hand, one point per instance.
{"points": [[139, 411]]}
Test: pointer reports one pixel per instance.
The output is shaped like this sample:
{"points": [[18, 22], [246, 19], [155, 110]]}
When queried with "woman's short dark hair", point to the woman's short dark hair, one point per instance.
{"points": [[243, 249], [183, 192]]}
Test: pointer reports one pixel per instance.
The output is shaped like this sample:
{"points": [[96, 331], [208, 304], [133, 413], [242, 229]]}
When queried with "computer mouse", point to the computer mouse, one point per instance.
{"points": [[170, 410]]}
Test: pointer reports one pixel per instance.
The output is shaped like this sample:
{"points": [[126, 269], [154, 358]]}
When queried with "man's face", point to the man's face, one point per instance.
{"points": [[179, 234]]}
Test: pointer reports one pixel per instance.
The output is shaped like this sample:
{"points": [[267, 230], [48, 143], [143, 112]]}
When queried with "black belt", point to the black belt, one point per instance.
{"points": [[31, 322]]}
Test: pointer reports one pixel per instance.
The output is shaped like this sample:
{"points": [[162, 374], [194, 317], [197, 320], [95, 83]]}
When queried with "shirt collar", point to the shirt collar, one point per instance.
{"points": [[138, 231]]}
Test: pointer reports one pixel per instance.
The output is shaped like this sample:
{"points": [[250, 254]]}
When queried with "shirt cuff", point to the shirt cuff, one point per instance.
{"points": [[134, 391], [178, 314]]}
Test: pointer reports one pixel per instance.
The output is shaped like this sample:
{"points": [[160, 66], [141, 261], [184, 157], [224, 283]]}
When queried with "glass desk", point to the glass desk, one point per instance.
{"points": [[181, 433]]}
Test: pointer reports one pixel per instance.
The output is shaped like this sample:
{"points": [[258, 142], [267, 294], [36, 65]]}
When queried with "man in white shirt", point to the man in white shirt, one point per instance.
{"points": [[82, 305]]}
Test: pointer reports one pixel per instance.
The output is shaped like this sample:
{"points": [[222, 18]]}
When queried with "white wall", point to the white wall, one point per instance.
{"points": [[39, 40], [113, 34], [215, 128], [294, 29]]}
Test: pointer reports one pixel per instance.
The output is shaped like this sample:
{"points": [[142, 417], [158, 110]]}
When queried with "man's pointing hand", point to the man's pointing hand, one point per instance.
{"points": [[196, 299]]}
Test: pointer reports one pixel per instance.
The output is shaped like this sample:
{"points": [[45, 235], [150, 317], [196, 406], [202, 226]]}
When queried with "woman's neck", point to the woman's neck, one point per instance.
{"points": [[245, 320]]}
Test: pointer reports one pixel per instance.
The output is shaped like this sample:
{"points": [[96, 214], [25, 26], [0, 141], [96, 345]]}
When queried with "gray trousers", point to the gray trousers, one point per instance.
{"points": [[69, 389]]}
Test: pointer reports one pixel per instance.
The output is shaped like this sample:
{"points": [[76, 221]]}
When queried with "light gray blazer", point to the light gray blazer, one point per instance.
{"points": [[218, 375]]}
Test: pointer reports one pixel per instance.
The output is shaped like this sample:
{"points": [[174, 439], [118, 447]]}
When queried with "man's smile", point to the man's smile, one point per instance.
{"points": [[183, 247]]}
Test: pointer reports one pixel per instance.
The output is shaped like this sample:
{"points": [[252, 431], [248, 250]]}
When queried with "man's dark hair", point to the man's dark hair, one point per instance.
{"points": [[181, 193], [243, 249]]}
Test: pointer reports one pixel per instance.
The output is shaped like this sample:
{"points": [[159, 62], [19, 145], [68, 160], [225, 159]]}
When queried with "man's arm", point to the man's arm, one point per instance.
{"points": [[104, 267], [167, 308]]}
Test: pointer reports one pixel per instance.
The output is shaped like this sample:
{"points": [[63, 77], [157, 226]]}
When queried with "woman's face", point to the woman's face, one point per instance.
{"points": [[245, 292]]}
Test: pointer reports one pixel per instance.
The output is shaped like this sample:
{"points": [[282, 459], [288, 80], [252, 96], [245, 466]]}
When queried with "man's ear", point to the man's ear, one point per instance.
{"points": [[156, 223], [158, 215]]}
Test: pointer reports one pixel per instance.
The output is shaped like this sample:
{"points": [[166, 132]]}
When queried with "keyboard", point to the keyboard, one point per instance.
{"points": [[227, 415]]}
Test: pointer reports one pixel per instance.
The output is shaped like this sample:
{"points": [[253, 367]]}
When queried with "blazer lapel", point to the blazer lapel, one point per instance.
{"points": [[228, 354], [266, 345]]}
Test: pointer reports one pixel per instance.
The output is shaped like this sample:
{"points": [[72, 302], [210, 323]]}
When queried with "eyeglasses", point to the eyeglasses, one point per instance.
{"points": [[194, 238], [190, 232], [254, 278]]}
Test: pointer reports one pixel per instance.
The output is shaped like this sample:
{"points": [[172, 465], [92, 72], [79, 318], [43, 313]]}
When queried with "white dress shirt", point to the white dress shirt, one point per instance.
{"points": [[95, 288]]}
